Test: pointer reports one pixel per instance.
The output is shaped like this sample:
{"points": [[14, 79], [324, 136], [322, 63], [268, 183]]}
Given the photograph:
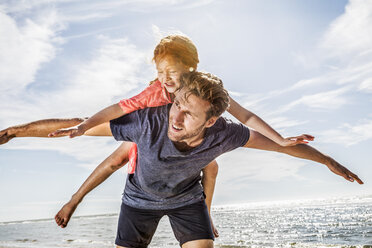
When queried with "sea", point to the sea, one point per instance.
{"points": [[336, 222]]}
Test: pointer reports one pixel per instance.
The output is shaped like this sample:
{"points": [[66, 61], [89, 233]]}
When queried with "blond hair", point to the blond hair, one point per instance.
{"points": [[178, 47], [209, 88]]}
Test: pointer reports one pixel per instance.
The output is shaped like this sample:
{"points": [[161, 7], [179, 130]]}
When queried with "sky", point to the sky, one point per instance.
{"points": [[302, 66]]}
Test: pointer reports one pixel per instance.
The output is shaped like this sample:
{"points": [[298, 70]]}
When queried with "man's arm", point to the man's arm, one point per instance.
{"points": [[258, 141], [104, 170], [40, 128]]}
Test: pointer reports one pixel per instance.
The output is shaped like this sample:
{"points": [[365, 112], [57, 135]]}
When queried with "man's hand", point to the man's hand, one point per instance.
{"points": [[71, 132], [6, 135], [292, 141], [340, 170]]}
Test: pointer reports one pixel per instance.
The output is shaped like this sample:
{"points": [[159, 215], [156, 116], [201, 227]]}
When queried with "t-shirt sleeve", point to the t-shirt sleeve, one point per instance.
{"points": [[153, 96], [237, 135], [127, 127]]}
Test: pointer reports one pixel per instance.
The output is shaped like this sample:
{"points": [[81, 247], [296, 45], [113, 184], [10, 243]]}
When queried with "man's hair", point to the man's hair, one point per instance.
{"points": [[178, 47], [209, 88]]}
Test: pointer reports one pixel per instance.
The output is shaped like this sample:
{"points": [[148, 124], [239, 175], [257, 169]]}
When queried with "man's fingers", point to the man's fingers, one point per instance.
{"points": [[355, 177], [348, 175], [5, 138], [2, 132]]}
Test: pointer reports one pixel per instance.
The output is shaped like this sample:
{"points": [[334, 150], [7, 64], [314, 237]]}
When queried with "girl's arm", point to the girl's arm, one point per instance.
{"points": [[104, 116], [251, 120], [152, 96], [209, 181]]}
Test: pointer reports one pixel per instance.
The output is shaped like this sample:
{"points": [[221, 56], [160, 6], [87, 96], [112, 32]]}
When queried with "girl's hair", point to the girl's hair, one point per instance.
{"points": [[179, 47]]}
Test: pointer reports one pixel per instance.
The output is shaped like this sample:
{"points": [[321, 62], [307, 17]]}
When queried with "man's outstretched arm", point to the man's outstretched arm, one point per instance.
{"points": [[42, 128], [258, 141]]}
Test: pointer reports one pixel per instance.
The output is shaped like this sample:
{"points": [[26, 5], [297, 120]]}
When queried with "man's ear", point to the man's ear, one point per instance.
{"points": [[211, 121]]}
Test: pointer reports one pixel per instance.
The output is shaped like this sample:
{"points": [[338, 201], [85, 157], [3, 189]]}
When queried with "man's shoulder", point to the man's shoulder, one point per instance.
{"points": [[227, 130], [222, 123], [155, 112]]}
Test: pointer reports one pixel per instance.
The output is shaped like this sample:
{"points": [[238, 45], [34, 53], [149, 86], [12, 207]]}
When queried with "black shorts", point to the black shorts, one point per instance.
{"points": [[137, 226]]}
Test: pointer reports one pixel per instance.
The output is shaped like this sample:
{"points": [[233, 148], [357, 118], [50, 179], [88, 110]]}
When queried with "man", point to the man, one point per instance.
{"points": [[174, 143]]}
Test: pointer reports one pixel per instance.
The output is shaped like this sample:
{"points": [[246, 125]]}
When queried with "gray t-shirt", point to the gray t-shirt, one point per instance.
{"points": [[166, 178]]}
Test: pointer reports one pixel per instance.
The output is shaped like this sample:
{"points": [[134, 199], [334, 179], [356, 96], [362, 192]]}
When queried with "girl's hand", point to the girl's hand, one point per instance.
{"points": [[72, 132], [292, 141]]}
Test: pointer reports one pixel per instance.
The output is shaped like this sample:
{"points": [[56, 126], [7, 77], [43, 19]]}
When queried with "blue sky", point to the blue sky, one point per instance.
{"points": [[303, 66]]}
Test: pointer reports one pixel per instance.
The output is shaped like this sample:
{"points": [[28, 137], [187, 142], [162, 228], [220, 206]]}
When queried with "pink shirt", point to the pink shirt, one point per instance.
{"points": [[153, 96]]}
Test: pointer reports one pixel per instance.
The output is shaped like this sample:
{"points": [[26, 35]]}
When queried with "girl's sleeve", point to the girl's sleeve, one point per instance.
{"points": [[153, 96]]}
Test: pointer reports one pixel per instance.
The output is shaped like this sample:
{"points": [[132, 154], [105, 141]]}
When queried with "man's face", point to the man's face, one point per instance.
{"points": [[187, 118]]}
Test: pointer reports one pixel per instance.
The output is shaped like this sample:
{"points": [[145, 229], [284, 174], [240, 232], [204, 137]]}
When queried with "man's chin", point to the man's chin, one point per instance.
{"points": [[174, 138]]}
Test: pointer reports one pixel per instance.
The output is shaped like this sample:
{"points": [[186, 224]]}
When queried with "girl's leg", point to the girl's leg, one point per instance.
{"points": [[209, 182]]}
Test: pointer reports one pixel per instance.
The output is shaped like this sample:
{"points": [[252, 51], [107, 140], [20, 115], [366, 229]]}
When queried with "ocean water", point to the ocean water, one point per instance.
{"points": [[318, 223]]}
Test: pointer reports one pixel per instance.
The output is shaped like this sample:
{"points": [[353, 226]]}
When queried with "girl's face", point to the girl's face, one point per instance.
{"points": [[169, 73]]}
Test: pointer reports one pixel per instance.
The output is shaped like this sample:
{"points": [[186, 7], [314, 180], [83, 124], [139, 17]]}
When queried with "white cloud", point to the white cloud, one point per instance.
{"points": [[244, 165], [116, 69], [280, 122], [366, 85], [351, 33], [344, 53], [329, 100], [348, 134], [89, 151], [24, 48], [83, 11]]}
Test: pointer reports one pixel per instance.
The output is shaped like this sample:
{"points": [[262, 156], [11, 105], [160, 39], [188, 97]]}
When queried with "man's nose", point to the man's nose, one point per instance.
{"points": [[178, 117], [167, 75]]}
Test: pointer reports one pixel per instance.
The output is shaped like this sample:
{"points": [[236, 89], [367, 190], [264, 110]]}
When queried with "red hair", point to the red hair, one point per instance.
{"points": [[178, 47]]}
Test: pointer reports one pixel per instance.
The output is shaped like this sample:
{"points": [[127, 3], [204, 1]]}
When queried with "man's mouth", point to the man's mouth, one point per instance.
{"points": [[169, 84], [176, 128]]}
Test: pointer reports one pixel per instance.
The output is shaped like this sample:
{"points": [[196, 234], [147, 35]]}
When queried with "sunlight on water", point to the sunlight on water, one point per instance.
{"points": [[342, 223]]}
